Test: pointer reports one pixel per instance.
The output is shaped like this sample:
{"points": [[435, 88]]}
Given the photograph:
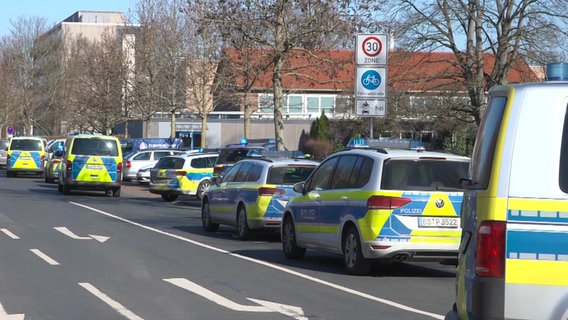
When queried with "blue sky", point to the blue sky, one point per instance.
{"points": [[55, 10]]}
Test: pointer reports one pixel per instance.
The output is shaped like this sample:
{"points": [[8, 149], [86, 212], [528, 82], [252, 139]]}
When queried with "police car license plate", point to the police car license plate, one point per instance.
{"points": [[25, 158], [94, 166], [438, 222]]}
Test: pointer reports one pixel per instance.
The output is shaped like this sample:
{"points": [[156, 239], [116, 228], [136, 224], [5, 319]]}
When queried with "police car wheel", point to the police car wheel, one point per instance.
{"points": [[201, 188], [243, 231], [289, 245], [116, 192], [169, 197], [66, 190], [206, 218], [59, 188], [353, 259]]}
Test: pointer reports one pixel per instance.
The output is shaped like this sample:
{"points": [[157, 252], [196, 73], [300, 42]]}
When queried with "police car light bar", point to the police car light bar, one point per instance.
{"points": [[406, 144], [557, 72]]}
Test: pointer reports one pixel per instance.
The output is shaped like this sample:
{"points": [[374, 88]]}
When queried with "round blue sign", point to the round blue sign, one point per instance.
{"points": [[371, 80], [10, 130]]}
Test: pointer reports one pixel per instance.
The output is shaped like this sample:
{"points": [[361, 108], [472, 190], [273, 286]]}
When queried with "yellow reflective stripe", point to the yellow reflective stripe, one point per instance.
{"points": [[491, 208], [538, 205], [372, 223], [317, 228], [537, 272]]}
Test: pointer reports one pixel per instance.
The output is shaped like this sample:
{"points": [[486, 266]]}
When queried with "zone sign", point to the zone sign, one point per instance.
{"points": [[371, 49]]}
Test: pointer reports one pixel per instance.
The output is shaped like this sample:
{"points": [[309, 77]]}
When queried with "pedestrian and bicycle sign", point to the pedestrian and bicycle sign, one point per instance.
{"points": [[371, 82]]}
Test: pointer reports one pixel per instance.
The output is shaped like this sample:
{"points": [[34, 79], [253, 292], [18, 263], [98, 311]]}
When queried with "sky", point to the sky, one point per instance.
{"points": [[55, 11]]}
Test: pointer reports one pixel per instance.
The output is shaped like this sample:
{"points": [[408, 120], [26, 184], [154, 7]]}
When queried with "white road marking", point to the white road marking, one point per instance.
{"points": [[108, 300], [273, 266], [265, 306], [72, 235], [9, 234], [5, 316], [45, 257]]}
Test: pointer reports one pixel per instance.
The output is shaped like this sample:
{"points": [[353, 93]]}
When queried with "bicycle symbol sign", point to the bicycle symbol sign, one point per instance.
{"points": [[371, 82], [371, 79]]}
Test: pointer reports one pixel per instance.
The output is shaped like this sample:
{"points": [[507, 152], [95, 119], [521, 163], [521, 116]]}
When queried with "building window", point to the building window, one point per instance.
{"points": [[265, 103], [294, 104]]}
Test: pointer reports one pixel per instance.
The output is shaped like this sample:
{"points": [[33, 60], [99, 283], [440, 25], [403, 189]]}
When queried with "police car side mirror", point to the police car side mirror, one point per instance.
{"points": [[299, 187]]}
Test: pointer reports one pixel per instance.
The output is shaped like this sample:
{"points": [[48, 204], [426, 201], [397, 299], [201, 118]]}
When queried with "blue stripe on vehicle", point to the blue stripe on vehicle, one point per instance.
{"points": [[537, 216], [198, 175], [537, 245]]}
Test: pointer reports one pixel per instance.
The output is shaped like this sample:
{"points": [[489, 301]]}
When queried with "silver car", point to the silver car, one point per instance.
{"points": [[135, 161], [3, 152]]}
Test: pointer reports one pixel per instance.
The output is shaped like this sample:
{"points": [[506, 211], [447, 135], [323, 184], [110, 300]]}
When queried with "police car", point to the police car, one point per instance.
{"points": [[513, 260], [385, 205], [91, 162], [25, 155], [182, 174], [252, 194]]}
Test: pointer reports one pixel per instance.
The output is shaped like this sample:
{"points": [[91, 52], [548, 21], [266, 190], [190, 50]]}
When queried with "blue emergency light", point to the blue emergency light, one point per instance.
{"points": [[557, 71]]}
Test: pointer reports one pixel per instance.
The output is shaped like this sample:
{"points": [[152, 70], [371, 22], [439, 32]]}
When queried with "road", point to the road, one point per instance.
{"points": [[90, 256]]}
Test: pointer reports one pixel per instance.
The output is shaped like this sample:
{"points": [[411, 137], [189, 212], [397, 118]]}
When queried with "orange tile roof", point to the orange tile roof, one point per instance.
{"points": [[334, 71]]}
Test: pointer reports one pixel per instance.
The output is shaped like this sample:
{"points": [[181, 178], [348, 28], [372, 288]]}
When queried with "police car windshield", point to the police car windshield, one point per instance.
{"points": [[24, 144], [95, 147], [424, 175], [288, 175]]}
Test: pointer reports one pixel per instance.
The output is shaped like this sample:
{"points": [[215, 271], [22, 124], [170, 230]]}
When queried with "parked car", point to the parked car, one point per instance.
{"points": [[231, 154], [136, 160], [252, 194], [25, 155], [513, 262], [91, 162], [51, 170], [182, 174], [3, 152], [378, 205]]}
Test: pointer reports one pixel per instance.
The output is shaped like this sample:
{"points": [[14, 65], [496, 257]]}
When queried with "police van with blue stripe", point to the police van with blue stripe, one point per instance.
{"points": [[513, 261], [91, 162]]}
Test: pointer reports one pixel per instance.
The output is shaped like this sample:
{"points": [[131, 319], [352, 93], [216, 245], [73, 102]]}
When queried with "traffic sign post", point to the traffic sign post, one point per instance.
{"points": [[10, 130], [371, 75]]}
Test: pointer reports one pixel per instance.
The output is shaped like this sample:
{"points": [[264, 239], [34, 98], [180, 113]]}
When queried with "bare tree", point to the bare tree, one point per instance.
{"points": [[97, 91], [163, 58], [509, 30], [283, 26], [29, 72]]}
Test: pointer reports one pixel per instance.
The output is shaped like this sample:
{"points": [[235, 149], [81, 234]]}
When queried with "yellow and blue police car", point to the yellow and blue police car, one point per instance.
{"points": [[513, 261], [182, 174], [25, 155], [385, 205], [251, 195], [91, 162]]}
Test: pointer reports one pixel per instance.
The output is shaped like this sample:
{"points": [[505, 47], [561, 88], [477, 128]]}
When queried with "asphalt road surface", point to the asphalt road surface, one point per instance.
{"points": [[90, 256]]}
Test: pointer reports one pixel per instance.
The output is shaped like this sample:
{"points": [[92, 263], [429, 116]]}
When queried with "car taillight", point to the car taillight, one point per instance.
{"points": [[217, 170], [271, 191], [128, 163], [7, 158], [119, 167], [386, 202], [68, 165], [56, 160], [180, 173], [490, 251]]}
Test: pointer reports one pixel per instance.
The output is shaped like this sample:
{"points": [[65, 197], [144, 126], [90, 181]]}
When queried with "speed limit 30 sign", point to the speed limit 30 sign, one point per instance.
{"points": [[371, 49]]}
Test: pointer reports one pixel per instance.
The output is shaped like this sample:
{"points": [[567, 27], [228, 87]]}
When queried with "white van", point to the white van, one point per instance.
{"points": [[513, 261]]}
